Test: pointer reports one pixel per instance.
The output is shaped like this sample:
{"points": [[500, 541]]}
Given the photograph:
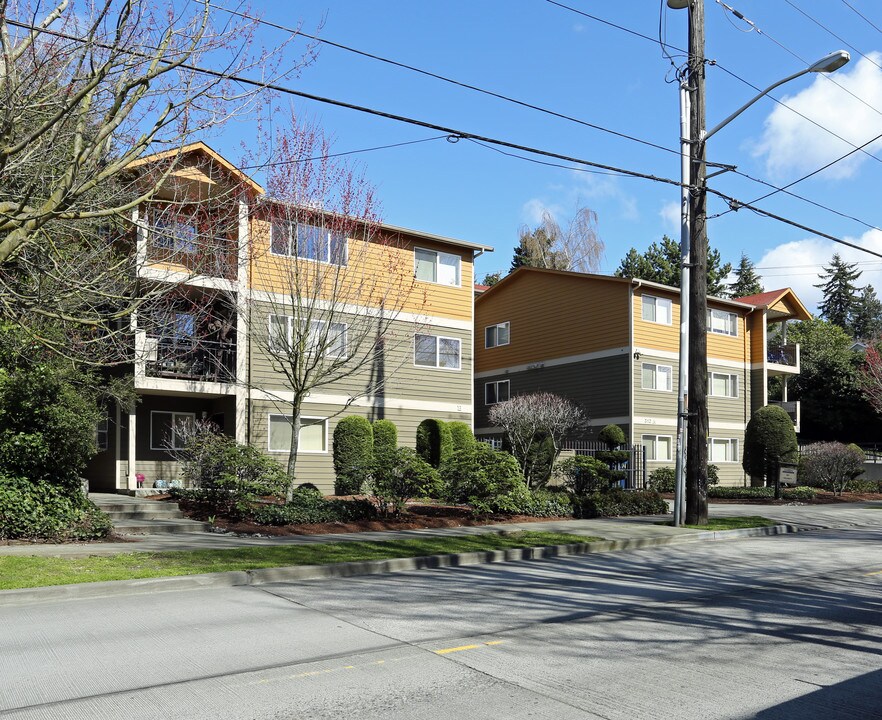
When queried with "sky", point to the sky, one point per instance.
{"points": [[553, 57]]}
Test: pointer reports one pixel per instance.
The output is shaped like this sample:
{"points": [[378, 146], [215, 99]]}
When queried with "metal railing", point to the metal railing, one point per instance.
{"points": [[791, 407], [634, 467], [783, 355], [192, 359]]}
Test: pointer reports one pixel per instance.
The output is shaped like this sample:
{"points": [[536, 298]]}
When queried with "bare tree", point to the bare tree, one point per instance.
{"points": [[531, 420], [88, 89], [329, 286], [577, 248]]}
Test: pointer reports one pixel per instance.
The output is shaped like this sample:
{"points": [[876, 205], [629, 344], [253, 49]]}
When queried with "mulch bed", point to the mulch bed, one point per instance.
{"points": [[822, 498]]}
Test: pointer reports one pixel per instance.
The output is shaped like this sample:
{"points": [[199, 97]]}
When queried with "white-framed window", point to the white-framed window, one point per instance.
{"points": [[722, 385], [329, 337], [657, 309], [177, 234], [496, 335], [722, 450], [436, 351], [496, 392], [658, 447], [308, 242], [169, 430], [101, 434], [494, 442], [313, 434], [657, 377], [722, 322], [437, 267]]}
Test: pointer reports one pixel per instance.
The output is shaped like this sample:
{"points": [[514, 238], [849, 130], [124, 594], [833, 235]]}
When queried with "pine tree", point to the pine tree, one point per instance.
{"points": [[866, 322], [661, 263], [747, 282], [840, 293]]}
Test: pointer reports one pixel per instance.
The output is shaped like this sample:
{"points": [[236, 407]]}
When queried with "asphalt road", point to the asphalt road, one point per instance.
{"points": [[780, 627]]}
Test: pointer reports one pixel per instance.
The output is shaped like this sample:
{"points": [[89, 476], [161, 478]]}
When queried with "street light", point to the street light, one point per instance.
{"points": [[693, 152]]}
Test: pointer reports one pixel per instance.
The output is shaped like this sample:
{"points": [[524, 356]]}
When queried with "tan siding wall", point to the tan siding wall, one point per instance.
{"points": [[551, 315], [600, 386], [757, 340], [378, 273], [658, 336]]}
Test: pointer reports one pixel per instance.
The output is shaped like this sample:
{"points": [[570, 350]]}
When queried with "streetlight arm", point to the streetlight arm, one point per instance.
{"points": [[750, 102]]}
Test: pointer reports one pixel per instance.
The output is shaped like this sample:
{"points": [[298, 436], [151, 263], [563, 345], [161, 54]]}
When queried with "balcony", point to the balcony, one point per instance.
{"points": [[791, 407], [783, 359], [190, 359]]}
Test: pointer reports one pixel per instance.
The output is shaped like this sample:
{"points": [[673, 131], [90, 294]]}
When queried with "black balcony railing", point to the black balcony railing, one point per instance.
{"points": [[782, 355], [190, 359]]}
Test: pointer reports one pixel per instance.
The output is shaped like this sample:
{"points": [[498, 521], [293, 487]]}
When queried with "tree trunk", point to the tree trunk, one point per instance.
{"points": [[296, 409]]}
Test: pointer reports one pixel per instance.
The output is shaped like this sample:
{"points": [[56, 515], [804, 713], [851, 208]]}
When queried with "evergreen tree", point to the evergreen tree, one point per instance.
{"points": [[747, 282], [490, 279], [866, 321], [840, 293], [661, 263]]}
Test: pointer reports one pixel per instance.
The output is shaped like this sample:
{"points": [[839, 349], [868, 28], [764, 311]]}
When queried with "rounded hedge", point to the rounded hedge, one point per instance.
{"points": [[434, 442], [385, 437], [461, 435], [353, 454], [770, 438], [612, 435]]}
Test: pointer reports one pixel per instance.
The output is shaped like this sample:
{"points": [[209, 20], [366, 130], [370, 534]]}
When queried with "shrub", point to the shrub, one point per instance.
{"points": [[47, 425], [307, 507], [619, 502], [434, 443], [862, 485], [42, 511], [583, 474], [768, 440], [832, 466], [226, 476], [523, 501], [385, 437], [713, 475], [612, 436], [663, 479], [461, 436], [406, 476], [353, 454], [736, 493], [478, 474]]}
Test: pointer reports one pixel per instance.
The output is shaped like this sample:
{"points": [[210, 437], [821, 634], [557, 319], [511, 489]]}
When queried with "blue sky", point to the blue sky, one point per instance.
{"points": [[549, 56]]}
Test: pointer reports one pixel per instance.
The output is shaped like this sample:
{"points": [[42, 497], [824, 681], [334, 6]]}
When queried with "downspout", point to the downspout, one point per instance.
{"points": [[475, 256]]}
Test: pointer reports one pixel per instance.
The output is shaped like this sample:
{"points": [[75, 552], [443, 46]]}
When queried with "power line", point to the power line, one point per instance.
{"points": [[463, 135], [861, 15], [838, 37]]}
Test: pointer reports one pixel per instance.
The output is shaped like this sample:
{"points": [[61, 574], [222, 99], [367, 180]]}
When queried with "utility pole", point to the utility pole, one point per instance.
{"points": [[697, 432]]}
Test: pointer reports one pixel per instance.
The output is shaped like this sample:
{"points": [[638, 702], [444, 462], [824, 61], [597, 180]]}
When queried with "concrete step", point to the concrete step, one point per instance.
{"points": [[159, 527], [136, 516], [118, 513]]}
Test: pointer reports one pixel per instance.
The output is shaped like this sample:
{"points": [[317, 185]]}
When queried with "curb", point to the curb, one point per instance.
{"points": [[264, 576]]}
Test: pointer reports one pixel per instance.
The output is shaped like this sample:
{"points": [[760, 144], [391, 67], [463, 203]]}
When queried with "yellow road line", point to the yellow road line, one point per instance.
{"points": [[446, 651], [877, 572]]}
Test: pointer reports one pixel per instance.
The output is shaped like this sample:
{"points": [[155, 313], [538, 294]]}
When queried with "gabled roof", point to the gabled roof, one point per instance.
{"points": [[781, 304]]}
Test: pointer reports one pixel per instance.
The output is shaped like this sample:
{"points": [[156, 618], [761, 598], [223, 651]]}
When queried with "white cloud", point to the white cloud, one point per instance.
{"points": [[797, 265], [671, 216], [792, 144]]}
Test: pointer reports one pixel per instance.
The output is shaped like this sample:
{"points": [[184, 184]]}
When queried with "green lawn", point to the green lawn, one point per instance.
{"points": [[29, 571], [730, 523]]}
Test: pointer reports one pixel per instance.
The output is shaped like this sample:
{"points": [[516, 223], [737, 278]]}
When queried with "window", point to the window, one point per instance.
{"points": [[101, 435], [313, 434], [307, 241], [330, 337], [658, 447], [656, 309], [494, 442], [437, 352], [496, 392], [176, 234], [436, 267], [722, 322], [722, 385], [496, 335], [722, 450], [657, 377], [169, 430]]}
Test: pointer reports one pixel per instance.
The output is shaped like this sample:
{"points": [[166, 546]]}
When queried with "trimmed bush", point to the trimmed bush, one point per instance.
{"points": [[476, 475], [42, 511], [612, 436], [768, 440], [523, 501], [713, 475], [434, 443], [406, 476], [583, 474], [353, 454], [461, 436], [737, 493], [617, 502], [308, 507], [385, 437], [832, 466], [663, 479]]}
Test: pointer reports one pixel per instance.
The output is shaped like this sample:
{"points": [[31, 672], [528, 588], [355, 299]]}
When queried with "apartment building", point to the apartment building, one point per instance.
{"points": [[611, 344], [216, 348]]}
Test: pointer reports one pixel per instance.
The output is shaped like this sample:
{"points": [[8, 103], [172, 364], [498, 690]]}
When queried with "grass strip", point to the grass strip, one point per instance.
{"points": [[32, 571], [730, 523]]}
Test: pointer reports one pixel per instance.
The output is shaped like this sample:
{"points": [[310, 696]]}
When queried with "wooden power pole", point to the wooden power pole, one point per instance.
{"points": [[697, 426]]}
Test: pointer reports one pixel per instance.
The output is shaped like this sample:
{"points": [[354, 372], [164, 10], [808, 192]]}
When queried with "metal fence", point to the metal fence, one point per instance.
{"points": [[634, 466]]}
